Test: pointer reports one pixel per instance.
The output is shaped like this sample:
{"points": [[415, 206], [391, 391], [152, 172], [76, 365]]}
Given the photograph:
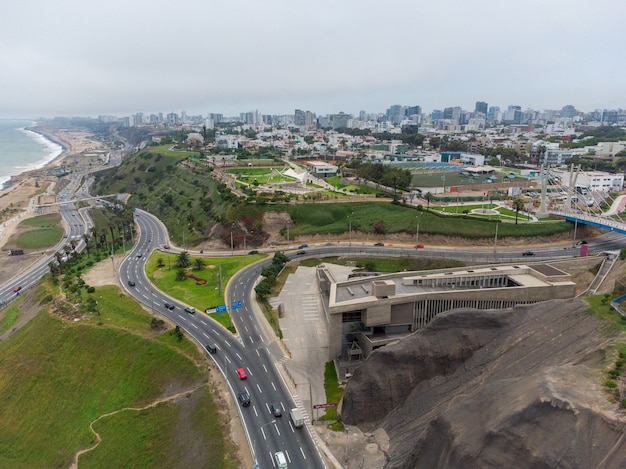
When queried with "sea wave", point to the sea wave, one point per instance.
{"points": [[53, 151]]}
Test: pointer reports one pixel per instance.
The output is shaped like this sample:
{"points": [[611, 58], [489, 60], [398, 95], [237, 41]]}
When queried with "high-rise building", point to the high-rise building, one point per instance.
{"points": [[395, 113], [340, 120], [299, 117], [481, 107], [414, 113], [569, 111]]}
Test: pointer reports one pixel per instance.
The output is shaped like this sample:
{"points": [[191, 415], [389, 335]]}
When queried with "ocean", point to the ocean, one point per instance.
{"points": [[23, 150]]}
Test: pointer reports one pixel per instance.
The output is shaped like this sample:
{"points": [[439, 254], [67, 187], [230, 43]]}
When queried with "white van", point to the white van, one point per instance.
{"points": [[281, 460]]}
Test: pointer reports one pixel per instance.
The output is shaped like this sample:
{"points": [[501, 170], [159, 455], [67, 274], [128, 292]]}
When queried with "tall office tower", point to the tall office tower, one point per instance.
{"points": [[309, 119], [452, 113], [299, 117], [481, 107], [362, 116], [569, 111], [436, 114], [413, 113], [395, 113], [493, 110]]}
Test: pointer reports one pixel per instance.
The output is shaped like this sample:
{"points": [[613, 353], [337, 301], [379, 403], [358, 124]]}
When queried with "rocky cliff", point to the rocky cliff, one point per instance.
{"points": [[521, 387]]}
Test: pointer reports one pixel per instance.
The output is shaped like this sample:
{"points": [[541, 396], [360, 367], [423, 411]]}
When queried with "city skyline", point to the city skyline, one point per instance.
{"points": [[75, 58]]}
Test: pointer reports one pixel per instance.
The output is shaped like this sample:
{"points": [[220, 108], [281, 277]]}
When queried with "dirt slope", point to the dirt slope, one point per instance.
{"points": [[490, 389]]}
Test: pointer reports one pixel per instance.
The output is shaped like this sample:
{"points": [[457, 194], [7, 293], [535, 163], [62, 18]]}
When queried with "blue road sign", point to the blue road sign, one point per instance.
{"points": [[220, 308], [236, 304]]}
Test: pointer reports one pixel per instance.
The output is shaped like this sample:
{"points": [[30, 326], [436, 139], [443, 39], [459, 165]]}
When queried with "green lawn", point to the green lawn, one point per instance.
{"points": [[43, 231], [217, 273], [58, 376]]}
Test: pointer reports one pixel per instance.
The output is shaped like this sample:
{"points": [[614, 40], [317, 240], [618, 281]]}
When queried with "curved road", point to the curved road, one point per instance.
{"points": [[253, 349]]}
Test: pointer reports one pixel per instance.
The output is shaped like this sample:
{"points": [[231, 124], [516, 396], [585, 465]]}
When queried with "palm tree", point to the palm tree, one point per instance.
{"points": [[199, 264], [181, 274], [518, 204], [429, 198], [182, 260], [87, 239]]}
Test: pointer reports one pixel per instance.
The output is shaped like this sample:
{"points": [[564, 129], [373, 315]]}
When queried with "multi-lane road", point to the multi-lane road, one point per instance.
{"points": [[252, 349]]}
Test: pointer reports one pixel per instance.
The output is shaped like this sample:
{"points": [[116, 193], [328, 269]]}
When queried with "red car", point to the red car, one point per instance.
{"points": [[16, 289], [419, 246], [241, 373]]}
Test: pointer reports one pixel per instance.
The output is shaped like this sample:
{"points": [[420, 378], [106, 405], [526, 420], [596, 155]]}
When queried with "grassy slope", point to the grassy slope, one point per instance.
{"points": [[43, 231], [178, 191], [334, 219], [56, 377]]}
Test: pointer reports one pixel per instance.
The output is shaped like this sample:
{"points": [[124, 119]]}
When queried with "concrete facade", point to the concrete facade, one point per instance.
{"points": [[369, 312]]}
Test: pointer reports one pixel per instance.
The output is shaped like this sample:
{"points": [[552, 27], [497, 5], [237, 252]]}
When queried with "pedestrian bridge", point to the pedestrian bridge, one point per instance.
{"points": [[599, 221]]}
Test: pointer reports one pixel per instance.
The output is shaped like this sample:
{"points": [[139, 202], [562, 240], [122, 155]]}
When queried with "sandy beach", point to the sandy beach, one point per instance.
{"points": [[82, 152]]}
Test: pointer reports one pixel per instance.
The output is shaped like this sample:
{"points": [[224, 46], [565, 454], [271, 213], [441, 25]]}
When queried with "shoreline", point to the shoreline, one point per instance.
{"points": [[65, 148]]}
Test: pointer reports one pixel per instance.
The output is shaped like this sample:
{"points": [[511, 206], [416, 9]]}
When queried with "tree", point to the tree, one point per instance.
{"points": [[182, 260], [181, 274], [199, 264], [518, 204], [160, 262], [429, 198]]}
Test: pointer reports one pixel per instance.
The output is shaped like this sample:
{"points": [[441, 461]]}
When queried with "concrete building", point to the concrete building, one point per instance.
{"points": [[321, 170], [369, 312], [594, 180]]}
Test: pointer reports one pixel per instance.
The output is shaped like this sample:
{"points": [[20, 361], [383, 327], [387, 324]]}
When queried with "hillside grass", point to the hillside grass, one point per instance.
{"points": [[332, 219], [58, 376], [40, 232]]}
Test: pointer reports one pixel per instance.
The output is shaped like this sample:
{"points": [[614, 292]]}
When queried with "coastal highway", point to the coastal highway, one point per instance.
{"points": [[252, 349], [77, 223]]}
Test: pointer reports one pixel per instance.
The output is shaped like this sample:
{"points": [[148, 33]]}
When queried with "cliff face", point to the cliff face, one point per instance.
{"points": [[489, 389]]}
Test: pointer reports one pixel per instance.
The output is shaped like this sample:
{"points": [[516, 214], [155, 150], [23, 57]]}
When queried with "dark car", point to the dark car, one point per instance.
{"points": [[302, 246], [528, 253], [244, 398], [276, 410], [131, 283], [211, 348], [254, 251], [379, 244], [190, 310], [138, 255], [300, 253], [168, 305]]}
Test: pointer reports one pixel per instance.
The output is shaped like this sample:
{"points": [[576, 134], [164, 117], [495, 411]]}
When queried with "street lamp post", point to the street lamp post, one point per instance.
{"points": [[232, 246], [575, 227], [495, 241], [260, 429], [417, 231], [350, 228]]}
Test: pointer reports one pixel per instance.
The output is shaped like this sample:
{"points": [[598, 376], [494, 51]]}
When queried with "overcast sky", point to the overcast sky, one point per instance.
{"points": [[119, 57]]}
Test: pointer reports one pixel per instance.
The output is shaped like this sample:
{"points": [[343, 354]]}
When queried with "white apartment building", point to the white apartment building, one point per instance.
{"points": [[594, 180]]}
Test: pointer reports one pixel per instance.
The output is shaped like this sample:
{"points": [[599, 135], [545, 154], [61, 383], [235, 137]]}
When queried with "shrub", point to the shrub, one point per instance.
{"points": [[609, 383]]}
